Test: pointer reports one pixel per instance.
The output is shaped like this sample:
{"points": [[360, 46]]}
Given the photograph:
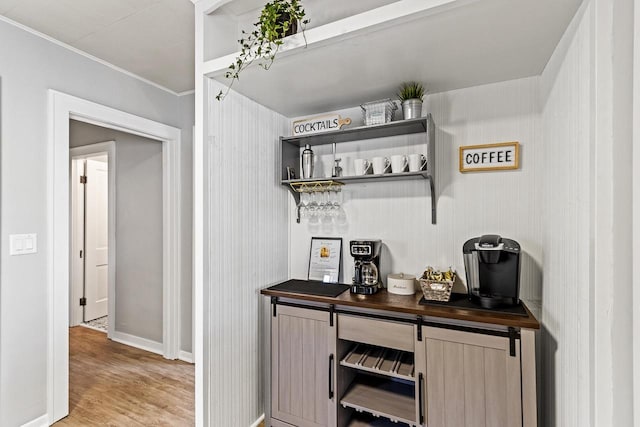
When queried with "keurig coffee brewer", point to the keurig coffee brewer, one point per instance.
{"points": [[492, 266], [366, 256]]}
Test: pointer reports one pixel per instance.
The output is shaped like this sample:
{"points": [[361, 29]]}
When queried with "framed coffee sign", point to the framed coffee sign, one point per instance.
{"points": [[324, 123], [490, 157]]}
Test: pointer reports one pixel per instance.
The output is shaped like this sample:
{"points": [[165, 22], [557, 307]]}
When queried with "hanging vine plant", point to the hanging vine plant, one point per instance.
{"points": [[278, 19]]}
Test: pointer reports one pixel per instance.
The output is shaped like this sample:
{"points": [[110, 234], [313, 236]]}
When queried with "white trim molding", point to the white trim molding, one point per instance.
{"points": [[257, 422], [185, 356], [62, 108], [41, 421], [137, 342], [636, 214]]}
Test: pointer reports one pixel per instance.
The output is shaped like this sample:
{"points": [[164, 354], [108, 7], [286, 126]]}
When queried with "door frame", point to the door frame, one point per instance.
{"points": [[75, 310], [62, 108]]}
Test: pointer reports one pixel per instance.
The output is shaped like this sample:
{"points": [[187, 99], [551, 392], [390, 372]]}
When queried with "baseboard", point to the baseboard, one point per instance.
{"points": [[42, 421], [185, 356], [137, 342], [84, 325], [259, 421]]}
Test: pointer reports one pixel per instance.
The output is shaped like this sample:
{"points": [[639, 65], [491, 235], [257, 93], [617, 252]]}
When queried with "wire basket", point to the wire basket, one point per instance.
{"points": [[436, 290], [378, 112]]}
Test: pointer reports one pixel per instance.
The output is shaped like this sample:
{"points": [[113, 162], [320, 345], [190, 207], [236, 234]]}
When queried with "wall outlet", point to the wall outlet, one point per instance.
{"points": [[23, 244]]}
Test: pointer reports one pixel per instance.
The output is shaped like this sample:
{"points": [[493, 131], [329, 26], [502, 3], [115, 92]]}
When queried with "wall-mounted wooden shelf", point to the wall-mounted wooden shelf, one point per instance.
{"points": [[424, 125]]}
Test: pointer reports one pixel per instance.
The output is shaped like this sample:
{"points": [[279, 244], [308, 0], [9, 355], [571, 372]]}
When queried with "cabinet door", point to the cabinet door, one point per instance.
{"points": [[471, 380], [303, 358]]}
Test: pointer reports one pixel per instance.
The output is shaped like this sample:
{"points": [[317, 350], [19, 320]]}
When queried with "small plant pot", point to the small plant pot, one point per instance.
{"points": [[412, 108], [293, 28]]}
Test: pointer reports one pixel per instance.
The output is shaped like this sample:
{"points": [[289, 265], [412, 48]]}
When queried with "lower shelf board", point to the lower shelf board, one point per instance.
{"points": [[368, 420], [382, 397]]}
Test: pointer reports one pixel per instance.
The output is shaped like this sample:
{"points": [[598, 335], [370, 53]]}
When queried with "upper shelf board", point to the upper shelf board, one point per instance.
{"points": [[400, 127], [446, 44]]}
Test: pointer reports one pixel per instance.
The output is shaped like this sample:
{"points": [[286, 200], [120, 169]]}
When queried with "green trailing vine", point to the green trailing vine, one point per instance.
{"points": [[278, 19]]}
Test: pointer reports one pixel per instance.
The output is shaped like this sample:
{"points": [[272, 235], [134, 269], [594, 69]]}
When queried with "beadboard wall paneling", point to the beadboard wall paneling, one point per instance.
{"points": [[567, 180], [246, 250], [469, 205]]}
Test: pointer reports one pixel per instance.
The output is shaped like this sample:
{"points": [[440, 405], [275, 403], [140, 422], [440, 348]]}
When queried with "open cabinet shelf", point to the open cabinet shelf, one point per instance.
{"points": [[381, 361], [387, 398]]}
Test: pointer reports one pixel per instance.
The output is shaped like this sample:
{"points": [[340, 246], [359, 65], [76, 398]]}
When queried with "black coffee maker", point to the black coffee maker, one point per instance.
{"points": [[492, 267], [366, 275]]}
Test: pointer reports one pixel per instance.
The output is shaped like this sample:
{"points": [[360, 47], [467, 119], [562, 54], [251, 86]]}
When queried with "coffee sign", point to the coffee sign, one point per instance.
{"points": [[490, 157], [318, 124]]}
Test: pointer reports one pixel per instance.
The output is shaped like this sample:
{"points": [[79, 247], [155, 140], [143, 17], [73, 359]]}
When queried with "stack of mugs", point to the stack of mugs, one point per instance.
{"points": [[397, 163]]}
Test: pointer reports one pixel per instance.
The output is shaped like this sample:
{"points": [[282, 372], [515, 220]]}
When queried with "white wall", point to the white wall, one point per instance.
{"points": [[138, 228], [566, 106], [31, 66], [469, 205], [245, 249], [586, 121]]}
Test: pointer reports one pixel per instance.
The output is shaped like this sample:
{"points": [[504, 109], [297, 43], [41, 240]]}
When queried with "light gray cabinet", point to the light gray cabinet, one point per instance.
{"points": [[472, 379], [303, 343], [341, 368]]}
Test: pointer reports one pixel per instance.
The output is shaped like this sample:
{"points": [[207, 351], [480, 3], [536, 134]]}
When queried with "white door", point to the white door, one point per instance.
{"points": [[97, 237]]}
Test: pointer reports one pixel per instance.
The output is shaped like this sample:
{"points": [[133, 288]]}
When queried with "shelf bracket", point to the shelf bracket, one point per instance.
{"points": [[296, 197], [433, 200]]}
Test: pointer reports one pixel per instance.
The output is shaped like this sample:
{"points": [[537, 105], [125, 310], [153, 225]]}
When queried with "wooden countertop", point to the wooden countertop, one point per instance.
{"points": [[409, 304]]}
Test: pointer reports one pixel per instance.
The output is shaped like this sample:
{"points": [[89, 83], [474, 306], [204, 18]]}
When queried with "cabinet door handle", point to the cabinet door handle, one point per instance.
{"points": [[331, 376], [420, 398]]}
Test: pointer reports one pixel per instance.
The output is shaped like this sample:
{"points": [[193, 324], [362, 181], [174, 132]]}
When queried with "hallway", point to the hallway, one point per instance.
{"points": [[111, 384]]}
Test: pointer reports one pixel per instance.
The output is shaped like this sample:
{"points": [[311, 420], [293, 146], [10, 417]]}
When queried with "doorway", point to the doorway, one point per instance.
{"points": [[93, 216], [64, 107]]}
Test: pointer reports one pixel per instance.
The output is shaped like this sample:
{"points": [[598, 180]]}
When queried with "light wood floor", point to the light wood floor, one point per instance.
{"points": [[111, 384]]}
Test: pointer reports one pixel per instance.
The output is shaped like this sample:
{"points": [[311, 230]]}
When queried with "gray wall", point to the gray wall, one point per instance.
{"points": [[29, 67], [138, 228]]}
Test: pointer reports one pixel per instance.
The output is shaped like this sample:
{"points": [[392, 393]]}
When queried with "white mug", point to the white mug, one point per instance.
{"points": [[380, 165], [417, 162], [361, 166], [398, 163]]}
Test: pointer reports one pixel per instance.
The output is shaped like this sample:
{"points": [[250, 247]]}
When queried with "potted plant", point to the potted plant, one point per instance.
{"points": [[411, 95], [278, 19]]}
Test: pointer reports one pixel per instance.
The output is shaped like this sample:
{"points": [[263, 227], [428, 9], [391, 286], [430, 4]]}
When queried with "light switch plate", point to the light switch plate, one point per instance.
{"points": [[23, 244]]}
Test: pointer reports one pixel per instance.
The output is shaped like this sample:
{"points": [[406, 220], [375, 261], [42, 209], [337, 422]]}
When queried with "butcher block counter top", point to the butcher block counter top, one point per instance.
{"points": [[409, 304]]}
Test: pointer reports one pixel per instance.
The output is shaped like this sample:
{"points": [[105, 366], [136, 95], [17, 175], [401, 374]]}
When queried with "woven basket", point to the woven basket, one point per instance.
{"points": [[434, 290]]}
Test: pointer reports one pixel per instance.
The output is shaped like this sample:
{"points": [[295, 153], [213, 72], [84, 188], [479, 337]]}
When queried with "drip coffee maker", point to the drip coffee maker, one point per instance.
{"points": [[366, 275]]}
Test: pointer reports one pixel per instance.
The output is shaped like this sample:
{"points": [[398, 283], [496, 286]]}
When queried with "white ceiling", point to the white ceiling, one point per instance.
{"points": [[477, 43], [153, 39]]}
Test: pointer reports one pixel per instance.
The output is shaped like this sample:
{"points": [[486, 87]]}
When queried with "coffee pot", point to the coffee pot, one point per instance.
{"points": [[366, 274]]}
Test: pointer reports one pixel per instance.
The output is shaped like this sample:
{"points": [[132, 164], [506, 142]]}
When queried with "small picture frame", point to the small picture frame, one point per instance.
{"points": [[325, 259]]}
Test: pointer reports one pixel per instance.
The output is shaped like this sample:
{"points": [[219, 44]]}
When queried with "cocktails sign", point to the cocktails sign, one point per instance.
{"points": [[325, 123]]}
